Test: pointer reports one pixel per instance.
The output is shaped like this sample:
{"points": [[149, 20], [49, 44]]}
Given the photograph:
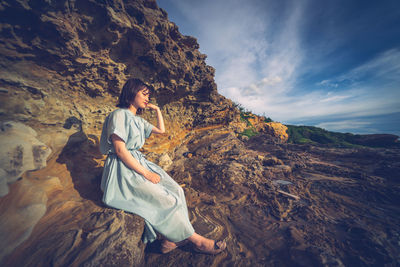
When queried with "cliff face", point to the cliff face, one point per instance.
{"points": [[69, 59], [62, 66]]}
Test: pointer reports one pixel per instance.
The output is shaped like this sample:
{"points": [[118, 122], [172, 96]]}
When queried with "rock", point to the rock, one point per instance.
{"points": [[3, 183], [103, 238], [375, 140], [281, 182], [20, 152], [62, 67], [165, 161], [258, 122], [60, 76], [277, 129], [260, 157], [244, 138], [21, 212], [271, 161]]}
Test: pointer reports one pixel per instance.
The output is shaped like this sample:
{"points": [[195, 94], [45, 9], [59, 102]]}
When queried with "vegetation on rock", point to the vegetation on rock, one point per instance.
{"points": [[319, 136]]}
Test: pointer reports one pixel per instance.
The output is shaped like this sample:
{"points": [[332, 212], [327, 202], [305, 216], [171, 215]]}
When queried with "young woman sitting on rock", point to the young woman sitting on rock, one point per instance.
{"points": [[132, 183]]}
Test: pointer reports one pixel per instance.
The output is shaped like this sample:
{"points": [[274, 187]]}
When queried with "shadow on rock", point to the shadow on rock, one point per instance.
{"points": [[79, 155]]}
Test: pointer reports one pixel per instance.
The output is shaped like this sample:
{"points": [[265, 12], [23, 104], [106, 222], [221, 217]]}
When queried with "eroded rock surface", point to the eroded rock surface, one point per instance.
{"points": [[288, 205], [20, 152], [62, 64]]}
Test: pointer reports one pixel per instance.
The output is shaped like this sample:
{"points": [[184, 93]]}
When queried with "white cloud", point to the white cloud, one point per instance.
{"points": [[384, 66], [357, 94], [270, 81], [344, 125], [328, 83], [257, 52], [356, 126], [244, 43], [334, 97]]}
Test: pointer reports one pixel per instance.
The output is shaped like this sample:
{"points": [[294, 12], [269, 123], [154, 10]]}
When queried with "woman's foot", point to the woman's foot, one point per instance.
{"points": [[168, 246], [207, 246], [217, 247]]}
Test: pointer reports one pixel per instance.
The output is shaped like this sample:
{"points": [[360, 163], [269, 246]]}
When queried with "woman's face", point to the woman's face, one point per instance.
{"points": [[141, 98]]}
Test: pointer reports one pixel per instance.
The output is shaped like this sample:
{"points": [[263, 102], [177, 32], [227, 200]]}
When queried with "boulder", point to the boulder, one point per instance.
{"points": [[277, 129], [20, 152]]}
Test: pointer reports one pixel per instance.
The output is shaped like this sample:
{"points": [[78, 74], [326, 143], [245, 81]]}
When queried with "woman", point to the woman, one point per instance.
{"points": [[132, 183]]}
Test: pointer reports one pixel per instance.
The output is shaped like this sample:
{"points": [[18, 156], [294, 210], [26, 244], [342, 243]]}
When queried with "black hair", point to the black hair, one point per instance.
{"points": [[129, 91]]}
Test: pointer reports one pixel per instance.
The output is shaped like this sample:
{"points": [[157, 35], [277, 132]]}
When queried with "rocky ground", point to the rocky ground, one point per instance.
{"points": [[342, 209], [276, 204]]}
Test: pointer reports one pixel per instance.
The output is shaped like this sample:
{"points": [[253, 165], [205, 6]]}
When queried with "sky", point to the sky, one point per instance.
{"points": [[333, 64]]}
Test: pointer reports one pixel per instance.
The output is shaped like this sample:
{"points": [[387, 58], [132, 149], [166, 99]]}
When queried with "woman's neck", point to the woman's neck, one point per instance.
{"points": [[133, 109]]}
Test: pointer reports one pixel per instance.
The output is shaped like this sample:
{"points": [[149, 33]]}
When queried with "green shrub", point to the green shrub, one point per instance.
{"points": [[268, 119], [244, 116], [250, 132]]}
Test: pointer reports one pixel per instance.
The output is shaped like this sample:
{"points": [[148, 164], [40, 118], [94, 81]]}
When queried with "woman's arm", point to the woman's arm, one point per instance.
{"points": [[160, 121], [130, 161]]}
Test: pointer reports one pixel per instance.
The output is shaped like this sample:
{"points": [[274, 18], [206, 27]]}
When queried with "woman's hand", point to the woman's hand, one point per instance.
{"points": [[152, 106], [152, 177], [160, 121]]}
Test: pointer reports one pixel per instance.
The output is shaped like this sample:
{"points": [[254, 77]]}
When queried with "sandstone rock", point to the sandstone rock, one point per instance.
{"points": [[3, 183], [165, 161], [277, 129], [271, 161], [21, 212], [244, 138], [258, 124], [257, 121], [20, 152], [103, 238], [62, 66], [282, 168]]}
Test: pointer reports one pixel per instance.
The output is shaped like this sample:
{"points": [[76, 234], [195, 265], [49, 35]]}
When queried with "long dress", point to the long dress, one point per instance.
{"points": [[162, 205]]}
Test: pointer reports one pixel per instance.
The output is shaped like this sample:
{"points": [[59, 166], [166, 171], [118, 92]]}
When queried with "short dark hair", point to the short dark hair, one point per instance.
{"points": [[129, 91]]}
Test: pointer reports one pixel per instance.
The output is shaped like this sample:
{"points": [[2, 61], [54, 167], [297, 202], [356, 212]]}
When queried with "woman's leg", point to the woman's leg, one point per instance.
{"points": [[201, 243], [165, 210]]}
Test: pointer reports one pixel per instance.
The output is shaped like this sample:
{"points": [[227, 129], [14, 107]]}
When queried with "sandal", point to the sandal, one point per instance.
{"points": [[168, 248], [219, 246]]}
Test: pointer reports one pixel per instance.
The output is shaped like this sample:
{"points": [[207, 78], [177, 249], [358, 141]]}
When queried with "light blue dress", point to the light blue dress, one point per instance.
{"points": [[162, 205]]}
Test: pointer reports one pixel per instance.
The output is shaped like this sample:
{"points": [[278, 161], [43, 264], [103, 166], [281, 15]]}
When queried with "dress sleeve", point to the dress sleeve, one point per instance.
{"points": [[147, 128], [116, 125]]}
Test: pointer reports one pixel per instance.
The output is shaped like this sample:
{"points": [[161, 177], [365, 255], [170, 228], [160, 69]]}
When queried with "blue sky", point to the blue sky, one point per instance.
{"points": [[328, 63]]}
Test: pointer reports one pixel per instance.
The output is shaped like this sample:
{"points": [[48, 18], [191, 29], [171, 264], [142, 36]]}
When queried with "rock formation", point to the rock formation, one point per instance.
{"points": [[62, 66]]}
